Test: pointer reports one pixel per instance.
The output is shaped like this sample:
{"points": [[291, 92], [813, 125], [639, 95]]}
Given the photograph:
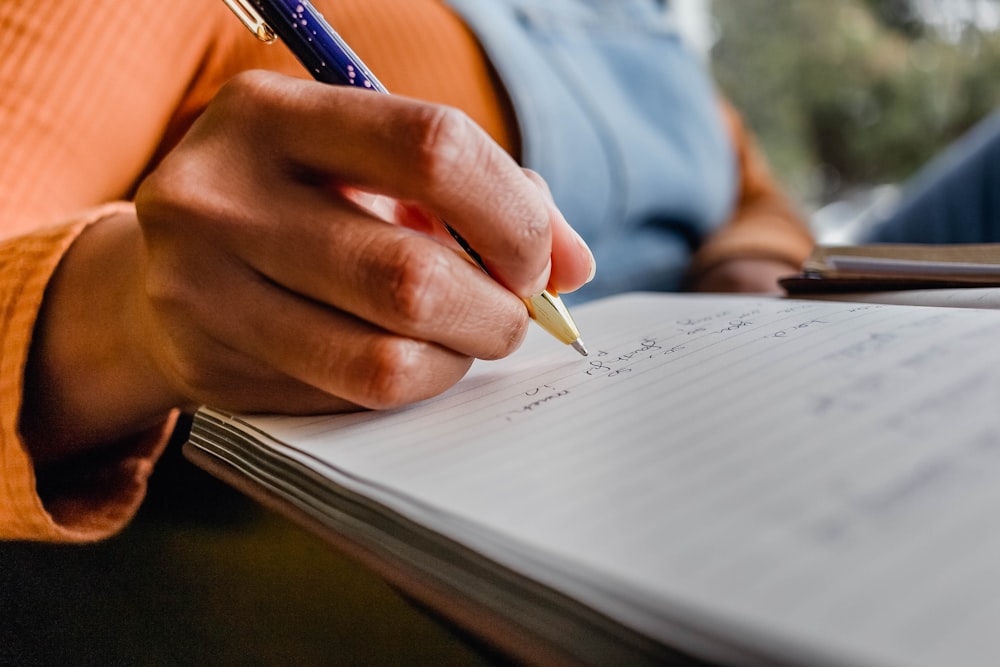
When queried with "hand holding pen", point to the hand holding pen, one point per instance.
{"points": [[329, 59], [263, 282], [250, 273]]}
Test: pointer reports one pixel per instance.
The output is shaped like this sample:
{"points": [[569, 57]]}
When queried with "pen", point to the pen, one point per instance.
{"points": [[329, 59]]}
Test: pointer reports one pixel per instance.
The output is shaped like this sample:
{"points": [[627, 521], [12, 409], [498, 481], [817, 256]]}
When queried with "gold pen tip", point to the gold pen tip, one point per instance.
{"points": [[580, 347]]}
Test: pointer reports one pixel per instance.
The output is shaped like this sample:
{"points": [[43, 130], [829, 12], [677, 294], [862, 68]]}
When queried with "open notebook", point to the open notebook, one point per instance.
{"points": [[745, 480]]}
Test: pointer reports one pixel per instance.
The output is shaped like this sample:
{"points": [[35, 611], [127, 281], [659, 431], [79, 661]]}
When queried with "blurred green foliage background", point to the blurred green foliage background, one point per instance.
{"points": [[847, 94]]}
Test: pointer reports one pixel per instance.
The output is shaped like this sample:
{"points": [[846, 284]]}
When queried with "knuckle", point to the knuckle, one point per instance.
{"points": [[417, 284], [533, 232], [262, 87], [393, 363], [247, 109], [534, 218], [505, 329], [510, 333], [444, 145]]}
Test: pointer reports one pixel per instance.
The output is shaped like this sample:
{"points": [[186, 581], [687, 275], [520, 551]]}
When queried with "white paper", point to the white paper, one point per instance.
{"points": [[818, 479]]}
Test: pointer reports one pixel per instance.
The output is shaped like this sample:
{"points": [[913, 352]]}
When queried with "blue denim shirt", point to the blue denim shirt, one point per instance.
{"points": [[622, 121]]}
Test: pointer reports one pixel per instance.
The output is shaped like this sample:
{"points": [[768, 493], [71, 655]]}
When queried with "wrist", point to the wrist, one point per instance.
{"points": [[89, 379]]}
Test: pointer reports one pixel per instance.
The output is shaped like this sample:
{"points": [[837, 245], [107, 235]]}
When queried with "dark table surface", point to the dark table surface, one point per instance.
{"points": [[204, 575]]}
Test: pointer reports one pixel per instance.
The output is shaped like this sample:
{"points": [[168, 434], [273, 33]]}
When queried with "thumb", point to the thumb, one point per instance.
{"points": [[573, 262]]}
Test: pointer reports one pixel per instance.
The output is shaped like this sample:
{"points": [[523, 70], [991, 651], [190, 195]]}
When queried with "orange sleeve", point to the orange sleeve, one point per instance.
{"points": [[103, 492], [91, 91], [764, 224], [93, 94]]}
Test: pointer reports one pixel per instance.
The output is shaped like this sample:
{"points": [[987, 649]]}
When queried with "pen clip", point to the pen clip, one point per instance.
{"points": [[252, 20]]}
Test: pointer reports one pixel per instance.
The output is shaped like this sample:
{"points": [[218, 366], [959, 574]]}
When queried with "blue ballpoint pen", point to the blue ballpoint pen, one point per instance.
{"points": [[329, 59]]}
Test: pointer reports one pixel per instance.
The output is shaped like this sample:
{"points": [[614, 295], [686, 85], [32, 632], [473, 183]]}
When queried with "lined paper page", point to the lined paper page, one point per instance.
{"points": [[804, 473]]}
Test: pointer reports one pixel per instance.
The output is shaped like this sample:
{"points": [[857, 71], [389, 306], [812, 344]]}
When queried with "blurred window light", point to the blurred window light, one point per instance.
{"points": [[694, 19], [952, 18]]}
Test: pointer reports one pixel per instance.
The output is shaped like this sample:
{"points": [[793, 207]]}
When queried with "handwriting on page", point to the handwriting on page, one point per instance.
{"points": [[605, 365], [609, 365], [769, 353], [758, 454], [682, 335], [538, 398]]}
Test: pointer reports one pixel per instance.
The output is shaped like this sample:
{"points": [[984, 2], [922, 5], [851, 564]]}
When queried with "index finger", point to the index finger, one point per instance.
{"points": [[420, 152]]}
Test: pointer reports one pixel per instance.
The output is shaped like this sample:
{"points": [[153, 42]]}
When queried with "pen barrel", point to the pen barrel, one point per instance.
{"points": [[551, 313], [316, 44]]}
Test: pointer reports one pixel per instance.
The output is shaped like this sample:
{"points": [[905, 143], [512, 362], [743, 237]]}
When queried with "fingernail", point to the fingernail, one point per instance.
{"points": [[590, 255], [579, 241]]}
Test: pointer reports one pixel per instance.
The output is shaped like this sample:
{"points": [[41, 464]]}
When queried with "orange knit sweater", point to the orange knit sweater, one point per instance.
{"points": [[94, 93]]}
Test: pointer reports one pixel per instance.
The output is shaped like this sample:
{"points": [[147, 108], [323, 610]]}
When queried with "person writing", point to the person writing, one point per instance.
{"points": [[204, 224]]}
